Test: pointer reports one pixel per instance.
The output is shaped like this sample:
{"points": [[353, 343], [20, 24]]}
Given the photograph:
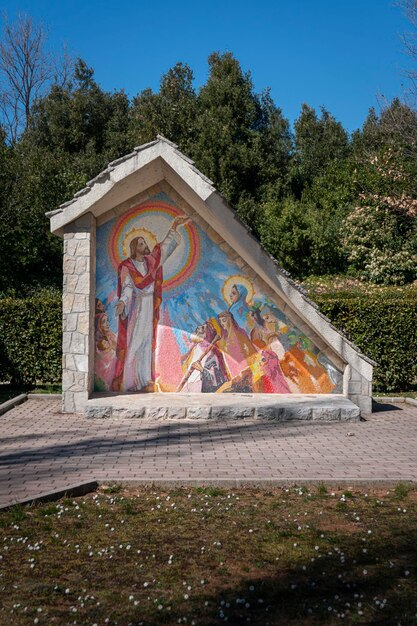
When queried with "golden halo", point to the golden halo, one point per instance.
{"points": [[237, 280], [148, 236]]}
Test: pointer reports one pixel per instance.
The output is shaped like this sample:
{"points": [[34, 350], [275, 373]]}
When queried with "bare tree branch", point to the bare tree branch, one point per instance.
{"points": [[397, 123], [409, 39], [64, 69], [26, 69]]}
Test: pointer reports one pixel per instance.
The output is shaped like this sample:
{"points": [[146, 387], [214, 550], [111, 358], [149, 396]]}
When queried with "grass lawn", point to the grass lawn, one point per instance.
{"points": [[399, 394], [208, 556], [8, 391]]}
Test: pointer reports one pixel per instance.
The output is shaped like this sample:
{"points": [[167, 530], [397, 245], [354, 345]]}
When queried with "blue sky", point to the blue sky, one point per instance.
{"points": [[336, 53]]}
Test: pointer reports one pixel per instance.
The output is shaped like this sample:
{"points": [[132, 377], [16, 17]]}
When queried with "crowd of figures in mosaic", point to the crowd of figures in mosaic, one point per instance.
{"points": [[175, 313]]}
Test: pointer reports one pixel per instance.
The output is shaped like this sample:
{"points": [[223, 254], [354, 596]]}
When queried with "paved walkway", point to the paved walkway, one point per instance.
{"points": [[42, 450]]}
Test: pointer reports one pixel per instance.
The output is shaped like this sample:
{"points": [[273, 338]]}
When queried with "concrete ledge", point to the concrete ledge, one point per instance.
{"points": [[70, 492], [395, 399], [220, 407], [44, 396], [260, 483], [9, 404]]}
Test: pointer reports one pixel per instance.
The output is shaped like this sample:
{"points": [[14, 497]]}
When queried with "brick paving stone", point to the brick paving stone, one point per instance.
{"points": [[43, 450]]}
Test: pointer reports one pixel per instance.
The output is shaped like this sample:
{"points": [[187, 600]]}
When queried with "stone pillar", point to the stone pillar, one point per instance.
{"points": [[358, 389], [78, 313]]}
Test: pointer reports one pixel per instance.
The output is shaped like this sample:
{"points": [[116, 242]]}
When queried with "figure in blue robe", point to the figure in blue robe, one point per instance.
{"points": [[239, 307]]}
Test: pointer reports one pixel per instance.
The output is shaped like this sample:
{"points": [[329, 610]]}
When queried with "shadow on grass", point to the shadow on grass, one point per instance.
{"points": [[353, 577], [326, 592]]}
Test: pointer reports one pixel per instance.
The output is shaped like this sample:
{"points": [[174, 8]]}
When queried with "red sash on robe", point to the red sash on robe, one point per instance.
{"points": [[140, 281]]}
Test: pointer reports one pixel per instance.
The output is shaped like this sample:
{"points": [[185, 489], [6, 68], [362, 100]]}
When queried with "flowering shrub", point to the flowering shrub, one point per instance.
{"points": [[381, 242], [380, 232], [397, 268]]}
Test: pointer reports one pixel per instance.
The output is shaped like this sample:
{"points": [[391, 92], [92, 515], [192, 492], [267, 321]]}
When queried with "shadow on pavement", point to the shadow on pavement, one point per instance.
{"points": [[378, 407]]}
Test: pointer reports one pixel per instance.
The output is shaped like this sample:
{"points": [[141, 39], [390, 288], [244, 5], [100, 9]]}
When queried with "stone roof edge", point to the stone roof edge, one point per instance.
{"points": [[111, 166]]}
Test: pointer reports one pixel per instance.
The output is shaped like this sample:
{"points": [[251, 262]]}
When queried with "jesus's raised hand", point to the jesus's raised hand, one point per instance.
{"points": [[181, 220]]}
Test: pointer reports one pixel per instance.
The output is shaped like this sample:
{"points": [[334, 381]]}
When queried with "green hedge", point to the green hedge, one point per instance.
{"points": [[382, 323], [31, 339]]}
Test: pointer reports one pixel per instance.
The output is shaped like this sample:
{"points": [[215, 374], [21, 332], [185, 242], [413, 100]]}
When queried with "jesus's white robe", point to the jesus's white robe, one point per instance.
{"points": [[139, 310]]}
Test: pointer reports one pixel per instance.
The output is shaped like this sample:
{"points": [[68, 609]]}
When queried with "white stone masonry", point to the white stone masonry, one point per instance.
{"points": [[78, 313]]}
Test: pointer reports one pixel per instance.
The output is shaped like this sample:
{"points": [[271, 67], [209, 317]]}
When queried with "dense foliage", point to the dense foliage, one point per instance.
{"points": [[31, 339], [320, 200], [381, 323]]}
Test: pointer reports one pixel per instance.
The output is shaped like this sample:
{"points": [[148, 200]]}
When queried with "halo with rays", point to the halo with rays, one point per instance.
{"points": [[237, 280], [134, 232], [151, 220]]}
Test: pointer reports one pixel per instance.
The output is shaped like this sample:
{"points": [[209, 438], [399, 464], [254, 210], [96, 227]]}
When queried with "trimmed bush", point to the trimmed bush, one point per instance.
{"points": [[31, 339], [383, 324]]}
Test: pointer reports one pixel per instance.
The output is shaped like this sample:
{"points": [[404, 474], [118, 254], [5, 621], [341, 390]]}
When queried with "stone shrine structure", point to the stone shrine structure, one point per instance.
{"points": [[172, 308]]}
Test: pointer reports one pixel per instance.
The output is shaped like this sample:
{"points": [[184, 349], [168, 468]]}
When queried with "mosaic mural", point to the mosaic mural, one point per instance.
{"points": [[175, 314]]}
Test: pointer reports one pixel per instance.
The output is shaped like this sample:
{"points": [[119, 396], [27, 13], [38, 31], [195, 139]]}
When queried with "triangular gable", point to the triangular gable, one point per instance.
{"points": [[161, 160]]}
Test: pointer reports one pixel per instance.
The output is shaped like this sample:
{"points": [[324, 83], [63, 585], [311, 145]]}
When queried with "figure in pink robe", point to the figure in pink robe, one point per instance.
{"points": [[272, 379], [236, 346]]}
